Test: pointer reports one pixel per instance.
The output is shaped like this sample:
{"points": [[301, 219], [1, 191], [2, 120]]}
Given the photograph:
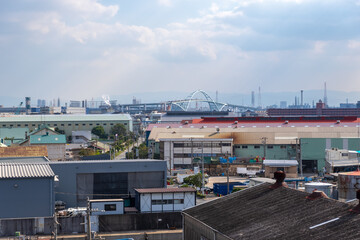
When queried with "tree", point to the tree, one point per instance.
{"points": [[119, 129], [143, 151], [99, 131], [195, 180]]}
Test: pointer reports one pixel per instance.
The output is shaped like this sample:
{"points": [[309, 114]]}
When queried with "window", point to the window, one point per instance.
{"points": [[19, 125], [69, 124], [90, 124], [4, 125], [33, 125], [156, 202], [280, 169], [104, 124], [97, 124], [62, 125], [270, 146], [11, 125], [26, 125], [125, 123], [283, 146], [244, 146], [178, 201], [76, 124], [110, 207], [256, 146], [83, 124], [55, 125], [178, 144], [226, 144], [111, 124], [344, 154]]}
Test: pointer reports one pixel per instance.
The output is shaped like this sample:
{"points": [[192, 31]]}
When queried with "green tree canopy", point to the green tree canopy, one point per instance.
{"points": [[119, 129], [195, 180], [99, 131]]}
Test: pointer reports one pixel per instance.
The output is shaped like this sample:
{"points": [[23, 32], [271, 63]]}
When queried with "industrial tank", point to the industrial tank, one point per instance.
{"points": [[348, 184], [325, 187]]}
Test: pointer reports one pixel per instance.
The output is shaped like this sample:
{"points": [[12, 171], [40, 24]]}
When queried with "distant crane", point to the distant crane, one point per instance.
{"points": [[17, 112]]}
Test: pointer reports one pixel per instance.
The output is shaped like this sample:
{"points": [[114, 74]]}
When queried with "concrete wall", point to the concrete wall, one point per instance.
{"points": [[26, 197], [33, 226], [67, 172], [56, 152]]}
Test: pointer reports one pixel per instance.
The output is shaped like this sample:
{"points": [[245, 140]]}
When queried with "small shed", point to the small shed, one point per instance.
{"points": [[164, 199], [290, 167], [27, 190]]}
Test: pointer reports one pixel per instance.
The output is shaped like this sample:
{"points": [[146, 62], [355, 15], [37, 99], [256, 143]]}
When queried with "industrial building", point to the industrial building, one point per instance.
{"points": [[67, 123], [282, 138], [27, 190], [182, 152], [320, 110], [272, 211], [164, 199], [106, 179]]}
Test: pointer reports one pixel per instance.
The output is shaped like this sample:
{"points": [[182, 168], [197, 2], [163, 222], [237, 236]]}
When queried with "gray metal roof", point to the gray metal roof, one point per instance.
{"points": [[23, 159], [280, 163], [25, 170], [66, 118]]}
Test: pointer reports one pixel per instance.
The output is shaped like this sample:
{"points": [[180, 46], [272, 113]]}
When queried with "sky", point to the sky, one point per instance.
{"points": [[87, 48]]}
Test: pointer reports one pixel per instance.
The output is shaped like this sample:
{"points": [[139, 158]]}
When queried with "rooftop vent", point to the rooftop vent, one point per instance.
{"points": [[280, 177], [316, 195], [356, 209]]}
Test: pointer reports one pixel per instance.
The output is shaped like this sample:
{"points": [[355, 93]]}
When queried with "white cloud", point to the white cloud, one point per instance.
{"points": [[89, 8], [352, 44], [319, 46], [166, 3]]}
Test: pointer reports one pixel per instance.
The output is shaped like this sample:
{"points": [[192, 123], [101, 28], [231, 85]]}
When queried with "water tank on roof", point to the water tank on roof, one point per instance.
{"points": [[325, 187], [348, 184]]}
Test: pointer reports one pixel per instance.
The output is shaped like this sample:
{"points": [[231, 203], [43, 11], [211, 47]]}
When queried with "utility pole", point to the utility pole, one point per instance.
{"points": [[298, 157], [263, 141], [203, 173], [227, 170], [88, 212], [55, 225]]}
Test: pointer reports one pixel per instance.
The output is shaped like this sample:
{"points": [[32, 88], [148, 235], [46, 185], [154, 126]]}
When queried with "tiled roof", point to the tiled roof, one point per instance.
{"points": [[164, 190], [283, 213], [25, 170], [29, 151]]}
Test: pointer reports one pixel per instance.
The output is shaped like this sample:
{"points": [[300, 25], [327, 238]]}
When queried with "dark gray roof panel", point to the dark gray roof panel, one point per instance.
{"points": [[261, 213]]}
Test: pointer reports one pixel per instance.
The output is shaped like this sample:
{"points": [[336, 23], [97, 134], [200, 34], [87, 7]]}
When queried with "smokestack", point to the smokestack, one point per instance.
{"points": [[325, 95], [356, 209], [252, 98], [316, 195], [280, 177]]}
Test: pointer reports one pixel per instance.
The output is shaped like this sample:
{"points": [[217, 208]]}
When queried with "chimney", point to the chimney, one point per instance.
{"points": [[280, 177], [316, 195], [356, 209]]}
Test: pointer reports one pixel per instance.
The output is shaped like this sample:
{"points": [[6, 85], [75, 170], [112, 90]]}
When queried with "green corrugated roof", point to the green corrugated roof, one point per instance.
{"points": [[47, 139], [16, 133], [66, 117]]}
